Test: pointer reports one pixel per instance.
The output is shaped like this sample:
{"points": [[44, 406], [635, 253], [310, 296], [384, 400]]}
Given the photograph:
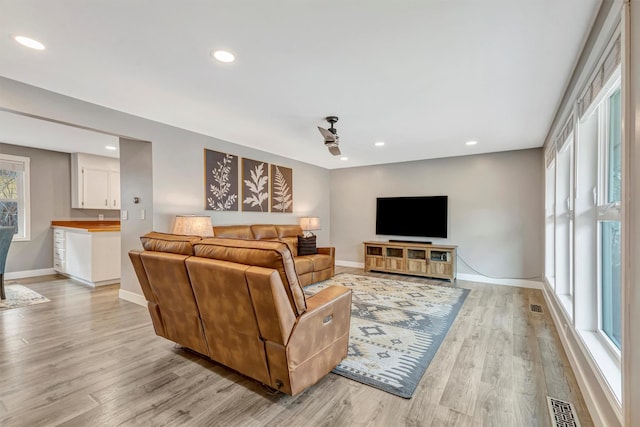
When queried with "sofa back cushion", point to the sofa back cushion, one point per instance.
{"points": [[264, 232], [233, 231], [228, 315], [289, 233], [268, 254], [170, 243], [288, 230], [168, 278]]}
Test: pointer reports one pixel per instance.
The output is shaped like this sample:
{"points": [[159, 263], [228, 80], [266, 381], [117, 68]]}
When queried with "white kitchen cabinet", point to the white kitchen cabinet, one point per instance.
{"points": [[114, 189], [87, 256], [95, 182]]}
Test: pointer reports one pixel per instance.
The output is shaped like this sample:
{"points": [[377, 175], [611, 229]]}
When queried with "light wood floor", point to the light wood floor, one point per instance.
{"points": [[89, 359]]}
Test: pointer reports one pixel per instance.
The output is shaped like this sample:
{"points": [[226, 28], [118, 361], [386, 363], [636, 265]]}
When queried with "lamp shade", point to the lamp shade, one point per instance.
{"points": [[310, 223], [192, 225]]}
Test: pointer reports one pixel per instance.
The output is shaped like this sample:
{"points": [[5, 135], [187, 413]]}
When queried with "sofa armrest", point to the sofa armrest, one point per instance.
{"points": [[328, 251], [331, 251], [326, 321]]}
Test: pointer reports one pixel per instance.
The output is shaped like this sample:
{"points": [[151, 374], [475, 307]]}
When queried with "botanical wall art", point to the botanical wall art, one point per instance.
{"points": [[255, 186], [221, 181], [281, 189]]}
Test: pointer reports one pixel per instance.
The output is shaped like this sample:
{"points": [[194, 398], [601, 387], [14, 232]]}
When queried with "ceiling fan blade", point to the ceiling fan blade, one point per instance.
{"points": [[334, 149], [328, 135]]}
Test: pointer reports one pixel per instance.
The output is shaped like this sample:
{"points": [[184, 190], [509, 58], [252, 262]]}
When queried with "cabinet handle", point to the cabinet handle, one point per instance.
{"points": [[106, 202], [114, 202]]}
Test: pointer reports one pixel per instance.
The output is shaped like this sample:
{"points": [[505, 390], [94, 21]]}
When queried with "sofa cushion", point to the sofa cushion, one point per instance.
{"points": [[269, 254], [320, 261], [304, 265], [171, 243], [233, 231], [264, 231]]}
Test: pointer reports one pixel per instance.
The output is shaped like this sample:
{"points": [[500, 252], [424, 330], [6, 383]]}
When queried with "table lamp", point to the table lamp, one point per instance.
{"points": [[193, 225], [309, 224]]}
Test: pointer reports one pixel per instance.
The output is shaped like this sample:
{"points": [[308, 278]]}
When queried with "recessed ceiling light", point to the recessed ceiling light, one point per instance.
{"points": [[471, 142], [26, 41], [110, 147], [379, 144], [223, 56], [343, 158]]}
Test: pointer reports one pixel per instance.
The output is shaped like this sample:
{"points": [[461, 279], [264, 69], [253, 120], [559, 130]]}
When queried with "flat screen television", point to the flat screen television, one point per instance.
{"points": [[412, 216]]}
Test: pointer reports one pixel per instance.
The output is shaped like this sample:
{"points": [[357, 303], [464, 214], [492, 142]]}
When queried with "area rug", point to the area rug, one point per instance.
{"points": [[396, 329], [20, 296]]}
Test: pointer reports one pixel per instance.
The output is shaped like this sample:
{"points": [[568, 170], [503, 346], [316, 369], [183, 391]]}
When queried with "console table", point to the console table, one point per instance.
{"points": [[419, 259]]}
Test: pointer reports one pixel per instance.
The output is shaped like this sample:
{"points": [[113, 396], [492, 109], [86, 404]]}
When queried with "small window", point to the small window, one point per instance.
{"points": [[14, 195]]}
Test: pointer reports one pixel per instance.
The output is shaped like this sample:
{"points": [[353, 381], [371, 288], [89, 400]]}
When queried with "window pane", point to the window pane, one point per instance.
{"points": [[614, 178], [9, 215], [8, 184], [611, 307]]}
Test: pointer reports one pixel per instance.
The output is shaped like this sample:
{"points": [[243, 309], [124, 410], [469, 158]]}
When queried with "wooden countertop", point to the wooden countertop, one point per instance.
{"points": [[91, 226]]}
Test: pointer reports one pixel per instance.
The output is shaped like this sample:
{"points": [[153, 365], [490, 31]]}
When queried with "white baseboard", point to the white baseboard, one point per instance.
{"points": [[598, 398], [520, 283], [470, 277], [29, 273], [132, 297], [350, 264]]}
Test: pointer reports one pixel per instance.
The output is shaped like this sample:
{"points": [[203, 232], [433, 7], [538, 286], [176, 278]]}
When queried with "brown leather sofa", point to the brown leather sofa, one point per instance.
{"points": [[310, 268], [240, 303]]}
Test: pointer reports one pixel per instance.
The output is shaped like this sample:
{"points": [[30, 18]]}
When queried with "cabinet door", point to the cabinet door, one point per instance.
{"points": [[95, 188], [114, 190]]}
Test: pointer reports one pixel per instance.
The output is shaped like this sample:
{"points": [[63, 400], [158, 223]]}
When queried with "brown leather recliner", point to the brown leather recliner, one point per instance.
{"points": [[240, 303]]}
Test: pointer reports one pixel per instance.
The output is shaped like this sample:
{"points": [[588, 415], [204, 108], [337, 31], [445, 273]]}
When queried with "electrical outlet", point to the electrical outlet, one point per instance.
{"points": [[100, 217]]}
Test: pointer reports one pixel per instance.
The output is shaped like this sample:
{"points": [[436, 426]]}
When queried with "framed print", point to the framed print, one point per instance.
{"points": [[255, 186], [221, 181]]}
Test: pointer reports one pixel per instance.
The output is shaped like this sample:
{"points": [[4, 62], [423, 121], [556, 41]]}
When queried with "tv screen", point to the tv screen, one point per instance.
{"points": [[412, 216]]}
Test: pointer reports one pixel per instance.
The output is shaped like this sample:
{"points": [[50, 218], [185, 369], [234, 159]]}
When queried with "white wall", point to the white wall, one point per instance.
{"points": [[495, 206], [136, 174], [177, 161]]}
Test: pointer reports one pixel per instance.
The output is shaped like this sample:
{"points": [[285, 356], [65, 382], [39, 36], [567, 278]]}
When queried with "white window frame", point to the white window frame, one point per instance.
{"points": [[605, 211], [24, 197]]}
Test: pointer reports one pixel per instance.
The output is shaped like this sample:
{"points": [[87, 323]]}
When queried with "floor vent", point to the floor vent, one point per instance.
{"points": [[536, 307], [562, 413]]}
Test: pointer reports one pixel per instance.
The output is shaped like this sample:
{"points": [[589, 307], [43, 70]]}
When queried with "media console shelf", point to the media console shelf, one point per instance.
{"points": [[418, 259]]}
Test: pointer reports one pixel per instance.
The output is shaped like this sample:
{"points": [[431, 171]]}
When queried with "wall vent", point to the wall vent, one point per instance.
{"points": [[536, 307], [562, 413]]}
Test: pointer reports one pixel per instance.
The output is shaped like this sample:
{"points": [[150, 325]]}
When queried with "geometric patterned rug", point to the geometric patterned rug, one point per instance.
{"points": [[396, 329], [20, 296]]}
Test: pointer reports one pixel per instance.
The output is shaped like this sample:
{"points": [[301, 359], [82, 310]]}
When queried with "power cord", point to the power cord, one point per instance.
{"points": [[493, 277]]}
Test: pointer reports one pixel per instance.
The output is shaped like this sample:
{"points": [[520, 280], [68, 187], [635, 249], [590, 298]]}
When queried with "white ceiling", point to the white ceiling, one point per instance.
{"points": [[424, 76]]}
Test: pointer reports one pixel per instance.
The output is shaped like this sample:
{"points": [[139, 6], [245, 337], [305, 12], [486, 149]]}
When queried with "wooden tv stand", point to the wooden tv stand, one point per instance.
{"points": [[418, 259]]}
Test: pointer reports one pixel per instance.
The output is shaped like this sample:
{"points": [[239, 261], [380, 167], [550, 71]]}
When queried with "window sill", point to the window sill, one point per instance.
{"points": [[605, 361]]}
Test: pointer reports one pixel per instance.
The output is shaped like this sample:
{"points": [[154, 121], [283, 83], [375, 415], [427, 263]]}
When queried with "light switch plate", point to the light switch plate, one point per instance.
{"points": [[142, 214], [124, 215]]}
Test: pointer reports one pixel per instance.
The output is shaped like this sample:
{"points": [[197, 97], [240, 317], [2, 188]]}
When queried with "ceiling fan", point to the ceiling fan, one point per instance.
{"points": [[331, 138]]}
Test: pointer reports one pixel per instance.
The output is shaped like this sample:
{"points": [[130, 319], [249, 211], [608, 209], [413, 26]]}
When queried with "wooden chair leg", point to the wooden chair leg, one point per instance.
{"points": [[2, 295]]}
